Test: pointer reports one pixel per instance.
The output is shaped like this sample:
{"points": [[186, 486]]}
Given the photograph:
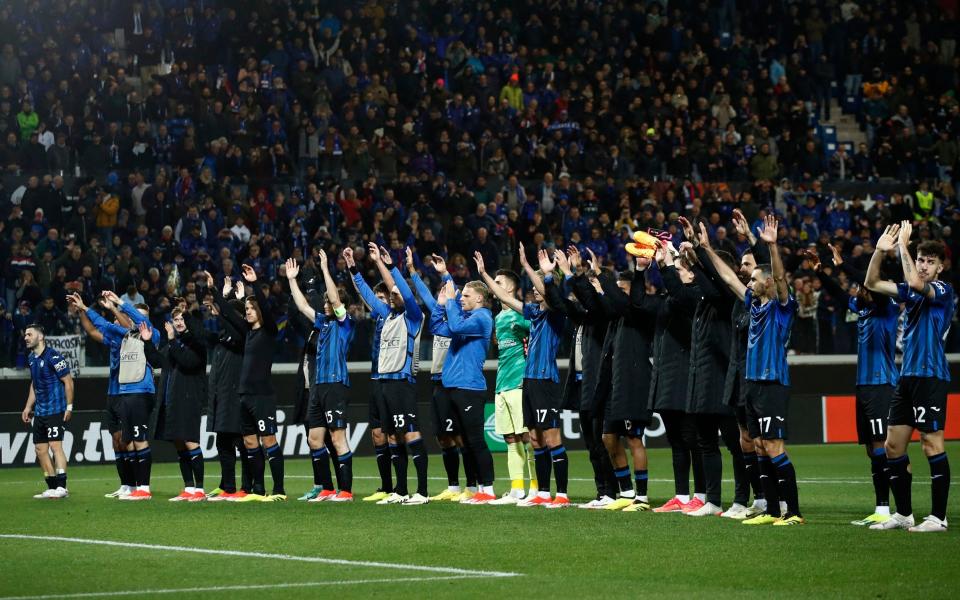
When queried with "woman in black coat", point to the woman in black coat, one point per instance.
{"points": [[668, 388], [225, 350]]}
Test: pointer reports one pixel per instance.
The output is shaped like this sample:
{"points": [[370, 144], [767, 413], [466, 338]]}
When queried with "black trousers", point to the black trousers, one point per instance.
{"points": [[591, 428]]}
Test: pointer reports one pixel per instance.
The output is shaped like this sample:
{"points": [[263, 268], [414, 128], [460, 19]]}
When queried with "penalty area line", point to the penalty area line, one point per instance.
{"points": [[235, 588], [262, 555]]}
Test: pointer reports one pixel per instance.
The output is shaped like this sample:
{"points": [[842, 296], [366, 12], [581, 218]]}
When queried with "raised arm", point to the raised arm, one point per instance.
{"points": [[910, 275], [546, 267], [886, 243], [640, 300], [106, 329], [126, 308], [769, 236], [292, 269], [378, 308], [227, 312], [614, 301], [726, 274], [419, 286], [555, 296], [76, 302], [382, 260], [477, 324], [266, 319], [505, 298]]}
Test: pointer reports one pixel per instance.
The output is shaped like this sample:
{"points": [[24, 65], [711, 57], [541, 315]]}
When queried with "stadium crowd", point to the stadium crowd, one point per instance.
{"points": [[144, 142]]}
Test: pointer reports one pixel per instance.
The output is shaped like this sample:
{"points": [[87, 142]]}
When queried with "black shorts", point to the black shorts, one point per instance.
{"points": [[468, 413], [328, 406], [767, 409], [378, 406], [48, 428], [258, 413], [443, 411], [873, 408], [541, 404], [628, 427], [921, 403], [113, 414], [400, 397], [134, 412]]}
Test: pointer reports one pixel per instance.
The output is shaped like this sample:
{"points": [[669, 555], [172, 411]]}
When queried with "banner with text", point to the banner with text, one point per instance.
{"points": [[71, 348]]}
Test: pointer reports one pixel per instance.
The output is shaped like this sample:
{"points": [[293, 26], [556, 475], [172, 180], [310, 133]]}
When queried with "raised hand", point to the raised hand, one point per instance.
{"points": [[409, 255], [449, 291], [291, 268], [703, 237], [769, 232], [573, 255], [740, 223], [249, 274], [687, 230], [209, 278], [146, 332], [385, 257], [888, 241], [111, 296], [348, 257], [813, 257], [227, 287], [76, 300], [662, 254], [837, 257], [439, 264], [523, 256], [594, 264], [478, 258], [322, 257], [374, 252], [906, 231], [241, 289], [563, 263], [546, 265], [168, 327]]}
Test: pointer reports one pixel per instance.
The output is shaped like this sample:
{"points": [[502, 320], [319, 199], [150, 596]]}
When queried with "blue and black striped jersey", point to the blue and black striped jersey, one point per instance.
{"points": [[927, 324]]}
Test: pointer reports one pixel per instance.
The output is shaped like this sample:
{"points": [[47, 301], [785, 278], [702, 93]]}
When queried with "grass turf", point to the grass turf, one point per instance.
{"points": [[565, 553]]}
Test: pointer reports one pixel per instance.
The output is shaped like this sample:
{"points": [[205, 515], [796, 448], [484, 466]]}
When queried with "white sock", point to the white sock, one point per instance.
{"points": [[643, 499], [760, 503], [454, 488], [701, 497], [683, 498], [487, 489], [543, 494], [143, 488], [189, 490], [472, 489], [517, 493], [195, 490], [629, 494], [124, 489], [882, 510], [559, 495]]}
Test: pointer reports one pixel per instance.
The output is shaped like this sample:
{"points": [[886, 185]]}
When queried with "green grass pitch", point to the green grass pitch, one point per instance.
{"points": [[312, 550]]}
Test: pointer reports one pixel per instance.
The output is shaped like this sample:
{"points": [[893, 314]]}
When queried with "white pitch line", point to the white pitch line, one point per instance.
{"points": [[229, 588], [267, 555], [375, 477]]}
